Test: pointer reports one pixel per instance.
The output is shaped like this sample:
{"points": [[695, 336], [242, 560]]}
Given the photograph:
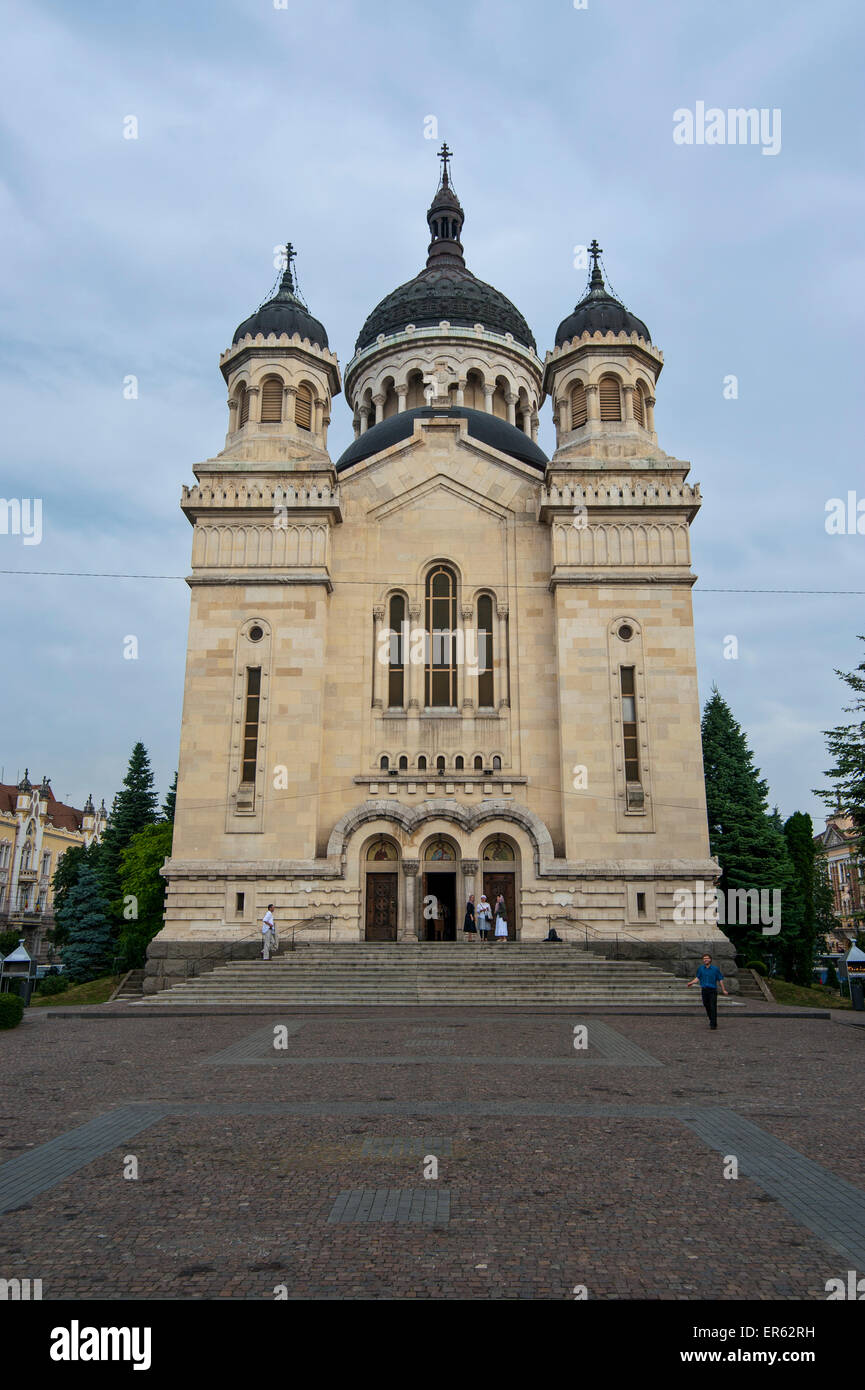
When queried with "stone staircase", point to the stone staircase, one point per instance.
{"points": [[131, 987], [441, 973]]}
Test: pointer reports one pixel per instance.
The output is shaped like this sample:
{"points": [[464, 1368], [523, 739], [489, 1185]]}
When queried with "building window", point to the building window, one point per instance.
{"points": [[303, 408], [239, 899], [459, 764], [396, 659], [497, 764], [639, 409], [479, 763], [641, 904], [271, 400], [384, 763], [46, 863], [629, 723], [440, 764], [421, 763], [250, 725], [243, 405], [579, 408], [611, 399], [441, 620], [485, 652], [403, 764]]}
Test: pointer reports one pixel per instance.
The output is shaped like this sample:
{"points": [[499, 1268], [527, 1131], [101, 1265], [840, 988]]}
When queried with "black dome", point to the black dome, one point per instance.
{"points": [[445, 292], [283, 314], [599, 312], [488, 429]]}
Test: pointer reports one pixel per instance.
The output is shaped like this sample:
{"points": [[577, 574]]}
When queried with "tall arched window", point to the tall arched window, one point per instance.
{"points": [[242, 405], [384, 763], [459, 763], [611, 399], [421, 763], [473, 395], [500, 398], [479, 763], [396, 660], [415, 396], [441, 619], [639, 411], [579, 409], [497, 764], [271, 400], [485, 652], [403, 764], [440, 763], [303, 407]]}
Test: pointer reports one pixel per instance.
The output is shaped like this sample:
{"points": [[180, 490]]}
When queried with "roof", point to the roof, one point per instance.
{"points": [[284, 313], [488, 429], [599, 312], [60, 815], [445, 292]]}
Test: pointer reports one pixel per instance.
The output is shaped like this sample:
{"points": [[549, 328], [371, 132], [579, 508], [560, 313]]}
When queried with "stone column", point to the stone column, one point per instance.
{"points": [[650, 414], [563, 418], [469, 683], [408, 930], [363, 412], [512, 399], [500, 662], [379, 670], [593, 405], [415, 668], [535, 426], [488, 398], [401, 393], [470, 868], [289, 397], [461, 389], [526, 417], [232, 416], [378, 401], [319, 417], [254, 408], [629, 402]]}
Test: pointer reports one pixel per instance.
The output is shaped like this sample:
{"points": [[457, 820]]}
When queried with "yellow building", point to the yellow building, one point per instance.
{"points": [[846, 875], [35, 832], [443, 663]]}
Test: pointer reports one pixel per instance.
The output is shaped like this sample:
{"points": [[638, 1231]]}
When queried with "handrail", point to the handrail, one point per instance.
{"points": [[312, 922], [577, 921]]}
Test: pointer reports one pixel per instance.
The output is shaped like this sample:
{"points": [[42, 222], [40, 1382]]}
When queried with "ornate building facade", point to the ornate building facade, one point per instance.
{"points": [[847, 877], [35, 832], [442, 663]]}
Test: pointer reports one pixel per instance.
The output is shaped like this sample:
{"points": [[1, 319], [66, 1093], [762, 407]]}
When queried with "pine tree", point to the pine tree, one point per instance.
{"points": [[143, 890], [88, 951], [134, 806], [749, 846], [170, 802], [846, 745], [797, 951], [66, 875]]}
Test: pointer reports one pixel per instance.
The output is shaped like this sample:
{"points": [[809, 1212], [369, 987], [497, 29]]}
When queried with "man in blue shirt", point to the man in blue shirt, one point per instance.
{"points": [[708, 976]]}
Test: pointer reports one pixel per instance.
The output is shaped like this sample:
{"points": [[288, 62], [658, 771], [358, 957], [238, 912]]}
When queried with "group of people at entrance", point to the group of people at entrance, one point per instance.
{"points": [[479, 919]]}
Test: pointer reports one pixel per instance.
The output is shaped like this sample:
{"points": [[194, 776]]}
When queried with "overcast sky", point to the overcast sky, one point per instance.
{"points": [[257, 124]]}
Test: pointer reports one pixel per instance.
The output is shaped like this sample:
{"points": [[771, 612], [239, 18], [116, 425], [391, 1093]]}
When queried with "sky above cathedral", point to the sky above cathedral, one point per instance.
{"points": [[155, 155]]}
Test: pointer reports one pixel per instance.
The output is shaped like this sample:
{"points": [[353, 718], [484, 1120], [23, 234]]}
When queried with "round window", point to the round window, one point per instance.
{"points": [[626, 632], [256, 633]]}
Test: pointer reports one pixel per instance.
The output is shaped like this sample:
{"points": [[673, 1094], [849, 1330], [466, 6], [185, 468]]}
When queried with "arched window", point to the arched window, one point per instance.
{"points": [[497, 764], [384, 764], [441, 850], [440, 764], [421, 763], [303, 408], [498, 850], [396, 659], [459, 763], [243, 405], [639, 411], [415, 396], [611, 399], [381, 849], [403, 764], [500, 403], [479, 763], [441, 620], [473, 395], [579, 408], [271, 400], [485, 652]]}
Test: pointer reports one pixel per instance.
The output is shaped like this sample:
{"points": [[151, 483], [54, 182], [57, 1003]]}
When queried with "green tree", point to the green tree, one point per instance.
{"points": [[134, 806], [69, 867], [846, 746], [743, 835], [143, 891], [88, 951], [170, 802], [798, 951]]}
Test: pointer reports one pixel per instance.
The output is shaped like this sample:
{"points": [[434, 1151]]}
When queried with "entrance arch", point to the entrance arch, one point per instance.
{"points": [[440, 859], [381, 889], [500, 859]]}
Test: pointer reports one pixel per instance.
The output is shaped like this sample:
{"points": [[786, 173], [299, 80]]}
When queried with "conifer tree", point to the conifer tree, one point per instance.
{"points": [[170, 802], [743, 837], [797, 950], [88, 951], [134, 806]]}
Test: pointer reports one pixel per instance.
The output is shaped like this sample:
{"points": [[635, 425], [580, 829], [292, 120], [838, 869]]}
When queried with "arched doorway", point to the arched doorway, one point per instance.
{"points": [[499, 868], [381, 888], [439, 905]]}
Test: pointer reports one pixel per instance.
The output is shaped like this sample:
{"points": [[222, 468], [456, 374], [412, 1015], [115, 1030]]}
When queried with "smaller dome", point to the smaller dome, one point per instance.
{"points": [[599, 312], [284, 313], [489, 429]]}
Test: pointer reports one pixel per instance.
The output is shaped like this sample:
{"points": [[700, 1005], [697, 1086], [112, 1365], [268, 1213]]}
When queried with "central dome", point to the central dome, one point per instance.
{"points": [[445, 288]]}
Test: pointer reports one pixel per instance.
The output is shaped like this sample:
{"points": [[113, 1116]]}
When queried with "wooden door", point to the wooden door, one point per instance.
{"points": [[381, 907], [495, 883]]}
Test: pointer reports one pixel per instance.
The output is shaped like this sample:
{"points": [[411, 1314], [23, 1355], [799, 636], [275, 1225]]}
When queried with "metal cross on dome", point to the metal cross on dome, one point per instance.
{"points": [[595, 251], [444, 155]]}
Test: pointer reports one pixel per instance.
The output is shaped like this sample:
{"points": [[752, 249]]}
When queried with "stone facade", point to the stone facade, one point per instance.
{"points": [[338, 764]]}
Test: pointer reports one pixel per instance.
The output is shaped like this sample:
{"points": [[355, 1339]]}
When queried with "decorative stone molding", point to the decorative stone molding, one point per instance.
{"points": [[621, 544]]}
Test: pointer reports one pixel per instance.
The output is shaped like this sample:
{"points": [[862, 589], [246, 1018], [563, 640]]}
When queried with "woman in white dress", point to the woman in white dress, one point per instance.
{"points": [[501, 919], [483, 914]]}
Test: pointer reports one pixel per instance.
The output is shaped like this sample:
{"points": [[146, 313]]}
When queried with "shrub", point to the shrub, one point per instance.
{"points": [[758, 965], [8, 941], [53, 984], [11, 1010]]}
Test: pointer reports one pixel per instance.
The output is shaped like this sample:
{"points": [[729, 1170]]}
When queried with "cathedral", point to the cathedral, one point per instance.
{"points": [[441, 664]]}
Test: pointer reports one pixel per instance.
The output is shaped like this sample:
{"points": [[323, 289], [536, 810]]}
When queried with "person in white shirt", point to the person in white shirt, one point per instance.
{"points": [[268, 933]]}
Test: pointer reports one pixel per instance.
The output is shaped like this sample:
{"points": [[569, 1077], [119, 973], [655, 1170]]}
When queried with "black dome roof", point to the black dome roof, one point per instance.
{"points": [[445, 288], [599, 312], [488, 429], [284, 313]]}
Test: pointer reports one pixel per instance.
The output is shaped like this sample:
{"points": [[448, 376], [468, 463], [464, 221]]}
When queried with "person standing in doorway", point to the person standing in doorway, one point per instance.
{"points": [[501, 932], [484, 914], [268, 933], [469, 928], [709, 977]]}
